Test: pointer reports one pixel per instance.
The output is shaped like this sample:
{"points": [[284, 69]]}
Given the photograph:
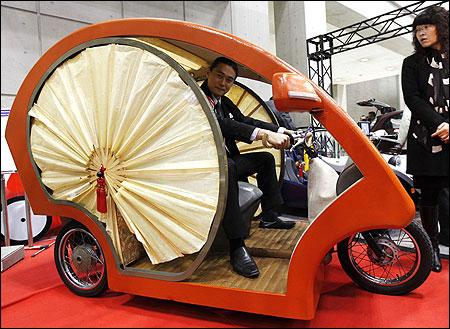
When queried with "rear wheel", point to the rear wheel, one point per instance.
{"points": [[79, 260], [404, 266]]}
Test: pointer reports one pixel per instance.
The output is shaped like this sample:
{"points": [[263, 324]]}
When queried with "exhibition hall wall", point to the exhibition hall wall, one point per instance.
{"points": [[30, 28]]}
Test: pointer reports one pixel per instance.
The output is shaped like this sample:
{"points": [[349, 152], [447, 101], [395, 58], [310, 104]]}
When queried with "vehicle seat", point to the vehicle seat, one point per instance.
{"points": [[249, 200]]}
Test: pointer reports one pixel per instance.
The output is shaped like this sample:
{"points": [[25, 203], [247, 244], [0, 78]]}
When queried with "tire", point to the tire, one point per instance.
{"points": [[406, 265], [17, 224], [77, 252]]}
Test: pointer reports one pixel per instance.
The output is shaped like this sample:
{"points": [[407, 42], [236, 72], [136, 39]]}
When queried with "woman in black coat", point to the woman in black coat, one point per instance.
{"points": [[425, 79]]}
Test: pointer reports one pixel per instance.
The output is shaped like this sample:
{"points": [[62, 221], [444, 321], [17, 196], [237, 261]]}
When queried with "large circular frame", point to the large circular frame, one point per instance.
{"points": [[222, 163]]}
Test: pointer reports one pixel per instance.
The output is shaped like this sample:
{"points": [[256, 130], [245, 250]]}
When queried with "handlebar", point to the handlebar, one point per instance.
{"points": [[382, 107], [304, 139]]}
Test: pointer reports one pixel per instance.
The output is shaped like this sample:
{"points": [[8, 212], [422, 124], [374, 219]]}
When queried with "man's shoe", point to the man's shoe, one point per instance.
{"points": [[277, 223], [243, 263]]}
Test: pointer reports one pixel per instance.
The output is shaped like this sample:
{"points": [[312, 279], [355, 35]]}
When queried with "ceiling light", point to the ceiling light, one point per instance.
{"points": [[390, 68], [364, 59]]}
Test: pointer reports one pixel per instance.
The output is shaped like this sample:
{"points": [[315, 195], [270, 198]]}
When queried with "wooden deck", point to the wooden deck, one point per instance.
{"points": [[270, 248]]}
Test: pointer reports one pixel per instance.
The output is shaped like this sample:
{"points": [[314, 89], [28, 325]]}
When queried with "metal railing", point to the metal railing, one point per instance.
{"points": [[327, 145]]}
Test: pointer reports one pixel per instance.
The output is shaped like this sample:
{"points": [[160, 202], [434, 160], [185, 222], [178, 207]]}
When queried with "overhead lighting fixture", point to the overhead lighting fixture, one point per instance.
{"points": [[364, 59], [390, 68]]}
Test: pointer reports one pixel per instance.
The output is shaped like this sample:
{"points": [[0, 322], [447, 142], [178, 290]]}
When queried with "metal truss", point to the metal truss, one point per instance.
{"points": [[383, 27]]}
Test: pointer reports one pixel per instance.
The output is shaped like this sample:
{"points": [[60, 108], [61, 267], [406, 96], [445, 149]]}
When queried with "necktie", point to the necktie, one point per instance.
{"points": [[218, 110]]}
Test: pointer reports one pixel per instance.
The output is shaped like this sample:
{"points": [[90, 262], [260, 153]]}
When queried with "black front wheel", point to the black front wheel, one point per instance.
{"points": [[404, 264], [80, 261]]}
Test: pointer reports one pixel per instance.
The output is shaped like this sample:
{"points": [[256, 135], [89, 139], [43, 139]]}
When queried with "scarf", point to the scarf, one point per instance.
{"points": [[438, 91]]}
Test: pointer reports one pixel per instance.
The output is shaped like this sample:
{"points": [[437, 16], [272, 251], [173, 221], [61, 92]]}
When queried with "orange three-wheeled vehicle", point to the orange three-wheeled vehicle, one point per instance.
{"points": [[118, 104]]}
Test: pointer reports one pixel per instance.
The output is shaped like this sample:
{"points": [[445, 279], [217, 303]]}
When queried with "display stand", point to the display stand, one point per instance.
{"points": [[11, 255]]}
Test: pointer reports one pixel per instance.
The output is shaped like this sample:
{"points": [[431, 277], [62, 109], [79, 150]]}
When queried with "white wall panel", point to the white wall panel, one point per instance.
{"points": [[54, 29], [7, 101], [215, 14], [251, 22], [27, 5], [85, 11], [20, 47], [158, 9]]}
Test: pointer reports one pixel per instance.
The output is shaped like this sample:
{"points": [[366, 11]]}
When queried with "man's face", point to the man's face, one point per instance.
{"points": [[220, 79]]}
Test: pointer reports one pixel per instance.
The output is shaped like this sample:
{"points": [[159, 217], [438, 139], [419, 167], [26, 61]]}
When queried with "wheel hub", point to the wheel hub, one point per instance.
{"points": [[82, 257], [390, 252]]}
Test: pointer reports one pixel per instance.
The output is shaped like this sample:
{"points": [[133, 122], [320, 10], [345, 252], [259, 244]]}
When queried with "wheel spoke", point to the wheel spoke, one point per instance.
{"points": [[81, 259], [397, 264]]}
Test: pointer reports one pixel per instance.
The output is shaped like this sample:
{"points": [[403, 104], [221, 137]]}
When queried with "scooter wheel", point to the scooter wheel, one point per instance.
{"points": [[80, 261], [404, 266]]}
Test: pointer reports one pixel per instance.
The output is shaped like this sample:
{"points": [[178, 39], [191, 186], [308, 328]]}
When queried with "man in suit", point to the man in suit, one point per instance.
{"points": [[237, 127]]}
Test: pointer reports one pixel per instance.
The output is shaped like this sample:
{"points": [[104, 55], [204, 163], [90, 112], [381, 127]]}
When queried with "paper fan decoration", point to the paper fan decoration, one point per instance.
{"points": [[124, 108]]}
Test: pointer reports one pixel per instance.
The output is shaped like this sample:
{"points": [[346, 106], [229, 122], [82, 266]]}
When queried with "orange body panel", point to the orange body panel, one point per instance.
{"points": [[293, 92], [353, 211]]}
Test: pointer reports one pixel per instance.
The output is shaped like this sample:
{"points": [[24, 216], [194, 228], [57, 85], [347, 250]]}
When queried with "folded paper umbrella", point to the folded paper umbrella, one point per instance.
{"points": [[125, 112]]}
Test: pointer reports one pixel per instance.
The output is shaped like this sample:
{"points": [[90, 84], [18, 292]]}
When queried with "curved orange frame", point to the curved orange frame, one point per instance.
{"points": [[353, 211]]}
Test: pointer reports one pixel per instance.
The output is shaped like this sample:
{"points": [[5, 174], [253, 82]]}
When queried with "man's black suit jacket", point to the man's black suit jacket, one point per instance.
{"points": [[234, 125]]}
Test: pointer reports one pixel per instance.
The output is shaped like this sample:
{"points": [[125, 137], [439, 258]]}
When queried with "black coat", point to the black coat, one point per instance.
{"points": [[415, 74], [234, 125]]}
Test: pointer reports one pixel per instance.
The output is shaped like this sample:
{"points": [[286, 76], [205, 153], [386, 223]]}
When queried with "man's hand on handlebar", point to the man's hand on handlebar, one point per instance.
{"points": [[291, 135], [273, 139]]}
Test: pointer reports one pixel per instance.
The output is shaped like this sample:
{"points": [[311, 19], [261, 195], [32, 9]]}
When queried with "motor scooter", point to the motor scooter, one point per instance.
{"points": [[381, 118], [372, 258], [111, 131], [370, 247]]}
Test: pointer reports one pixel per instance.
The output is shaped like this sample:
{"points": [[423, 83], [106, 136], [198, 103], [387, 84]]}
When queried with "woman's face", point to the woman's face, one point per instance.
{"points": [[427, 36]]}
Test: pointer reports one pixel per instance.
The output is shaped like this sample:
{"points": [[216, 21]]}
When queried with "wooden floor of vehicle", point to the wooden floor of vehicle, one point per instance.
{"points": [[270, 248]]}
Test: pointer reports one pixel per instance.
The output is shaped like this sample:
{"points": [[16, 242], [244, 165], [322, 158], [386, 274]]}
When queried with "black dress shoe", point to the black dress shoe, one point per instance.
{"points": [[243, 263], [277, 223], [437, 265]]}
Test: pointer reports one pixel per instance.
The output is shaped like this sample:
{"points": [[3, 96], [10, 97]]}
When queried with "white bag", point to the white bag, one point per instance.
{"points": [[322, 181], [404, 127]]}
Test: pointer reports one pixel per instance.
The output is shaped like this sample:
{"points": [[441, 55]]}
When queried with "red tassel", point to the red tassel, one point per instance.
{"points": [[101, 191]]}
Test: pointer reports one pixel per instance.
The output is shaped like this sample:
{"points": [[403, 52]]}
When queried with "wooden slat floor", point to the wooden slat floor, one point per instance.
{"points": [[270, 248]]}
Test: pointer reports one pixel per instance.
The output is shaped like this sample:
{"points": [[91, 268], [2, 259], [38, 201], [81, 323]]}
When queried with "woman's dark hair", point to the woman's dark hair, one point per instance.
{"points": [[226, 61], [437, 16]]}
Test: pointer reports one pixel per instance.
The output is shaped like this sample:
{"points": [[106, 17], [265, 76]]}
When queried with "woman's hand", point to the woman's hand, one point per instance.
{"points": [[442, 132]]}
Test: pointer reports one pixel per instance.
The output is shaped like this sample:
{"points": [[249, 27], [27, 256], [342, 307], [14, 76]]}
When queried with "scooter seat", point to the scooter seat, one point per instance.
{"points": [[249, 200]]}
